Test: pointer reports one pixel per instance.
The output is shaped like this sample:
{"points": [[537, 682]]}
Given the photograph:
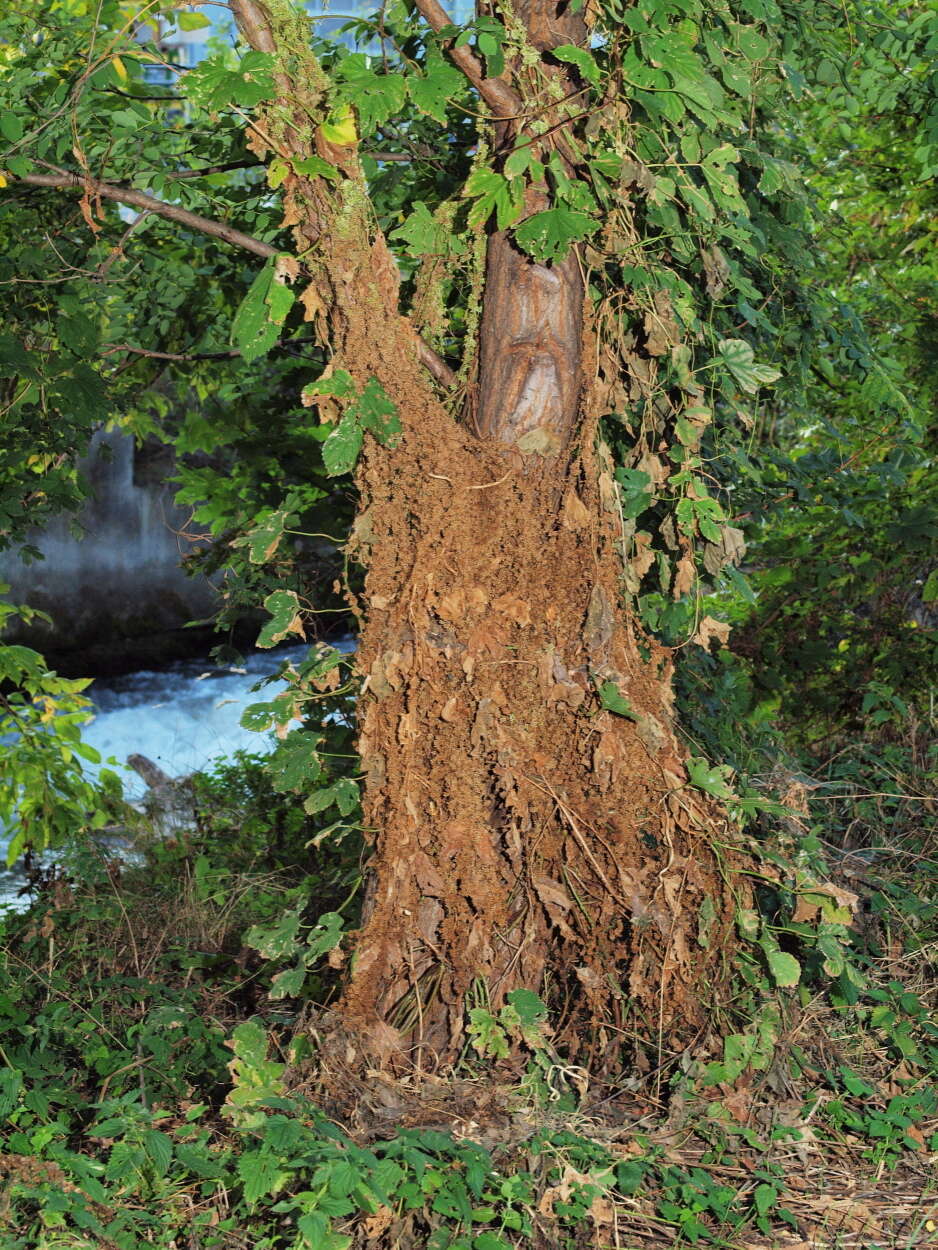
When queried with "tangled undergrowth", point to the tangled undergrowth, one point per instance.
{"points": [[149, 1046]]}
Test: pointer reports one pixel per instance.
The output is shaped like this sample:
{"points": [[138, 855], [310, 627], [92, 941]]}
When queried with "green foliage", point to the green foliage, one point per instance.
{"points": [[46, 796], [751, 186], [145, 1048], [261, 314]]}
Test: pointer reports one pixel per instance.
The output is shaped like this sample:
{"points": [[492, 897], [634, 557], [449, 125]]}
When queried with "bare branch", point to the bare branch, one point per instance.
{"points": [[252, 21], [150, 355], [435, 365], [148, 203], [207, 170], [498, 95], [118, 249]]}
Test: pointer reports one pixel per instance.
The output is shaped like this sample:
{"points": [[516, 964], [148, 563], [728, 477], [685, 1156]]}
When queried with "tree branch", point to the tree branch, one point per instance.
{"points": [[434, 364], [430, 359], [252, 21], [150, 355], [139, 199], [498, 95]]}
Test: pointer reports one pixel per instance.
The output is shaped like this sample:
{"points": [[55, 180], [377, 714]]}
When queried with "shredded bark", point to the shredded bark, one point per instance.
{"points": [[523, 834]]}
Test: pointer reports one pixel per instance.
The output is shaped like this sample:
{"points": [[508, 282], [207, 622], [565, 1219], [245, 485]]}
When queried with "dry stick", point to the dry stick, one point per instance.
{"points": [[118, 249]]}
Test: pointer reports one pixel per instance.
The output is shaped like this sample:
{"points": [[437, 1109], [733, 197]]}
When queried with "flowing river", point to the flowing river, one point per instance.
{"points": [[182, 718]]}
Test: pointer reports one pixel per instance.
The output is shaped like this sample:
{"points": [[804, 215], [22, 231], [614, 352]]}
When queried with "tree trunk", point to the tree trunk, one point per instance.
{"points": [[524, 835]]}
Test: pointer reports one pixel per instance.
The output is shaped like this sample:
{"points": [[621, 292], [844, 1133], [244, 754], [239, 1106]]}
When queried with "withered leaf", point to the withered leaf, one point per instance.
{"points": [[710, 628], [729, 550], [683, 576], [574, 515]]}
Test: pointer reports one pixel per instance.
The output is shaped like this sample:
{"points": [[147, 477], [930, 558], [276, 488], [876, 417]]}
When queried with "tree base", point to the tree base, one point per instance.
{"points": [[535, 826]]}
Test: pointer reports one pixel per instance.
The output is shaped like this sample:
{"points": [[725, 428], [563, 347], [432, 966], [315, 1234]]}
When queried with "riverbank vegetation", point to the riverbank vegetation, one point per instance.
{"points": [[583, 364]]}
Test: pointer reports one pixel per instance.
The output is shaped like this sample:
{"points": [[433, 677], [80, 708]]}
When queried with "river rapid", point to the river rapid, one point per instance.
{"points": [[182, 718]]}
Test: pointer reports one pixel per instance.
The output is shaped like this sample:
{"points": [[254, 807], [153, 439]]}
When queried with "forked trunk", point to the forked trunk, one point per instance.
{"points": [[525, 835]]}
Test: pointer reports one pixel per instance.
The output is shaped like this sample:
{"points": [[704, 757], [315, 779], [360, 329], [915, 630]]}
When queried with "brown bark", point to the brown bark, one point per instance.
{"points": [[531, 335], [523, 835], [530, 347]]}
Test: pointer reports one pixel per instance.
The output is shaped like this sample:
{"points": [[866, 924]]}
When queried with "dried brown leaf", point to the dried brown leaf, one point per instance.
{"points": [[710, 629], [515, 608], [683, 575]]}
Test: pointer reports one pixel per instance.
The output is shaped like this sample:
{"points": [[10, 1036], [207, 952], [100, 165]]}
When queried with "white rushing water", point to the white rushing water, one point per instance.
{"points": [[182, 718]]}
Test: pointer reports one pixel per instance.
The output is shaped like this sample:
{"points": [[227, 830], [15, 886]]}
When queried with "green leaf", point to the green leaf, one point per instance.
{"points": [[629, 1177], [488, 1036], [321, 1240], [636, 493], [315, 167], [582, 59], [521, 161], [249, 1042], [548, 236], [252, 331], [376, 97], [276, 941], [764, 1198], [784, 968], [709, 778], [611, 699], [341, 448], [344, 793], [930, 589], [340, 127], [159, 1148], [295, 765], [191, 21], [338, 384], [375, 412], [489, 1241], [288, 984], [489, 35], [438, 83], [10, 126], [493, 193], [260, 1174], [257, 717], [325, 937], [752, 45], [286, 618], [530, 1008], [279, 300], [214, 85], [78, 333], [737, 355], [265, 536], [277, 171], [424, 235]]}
